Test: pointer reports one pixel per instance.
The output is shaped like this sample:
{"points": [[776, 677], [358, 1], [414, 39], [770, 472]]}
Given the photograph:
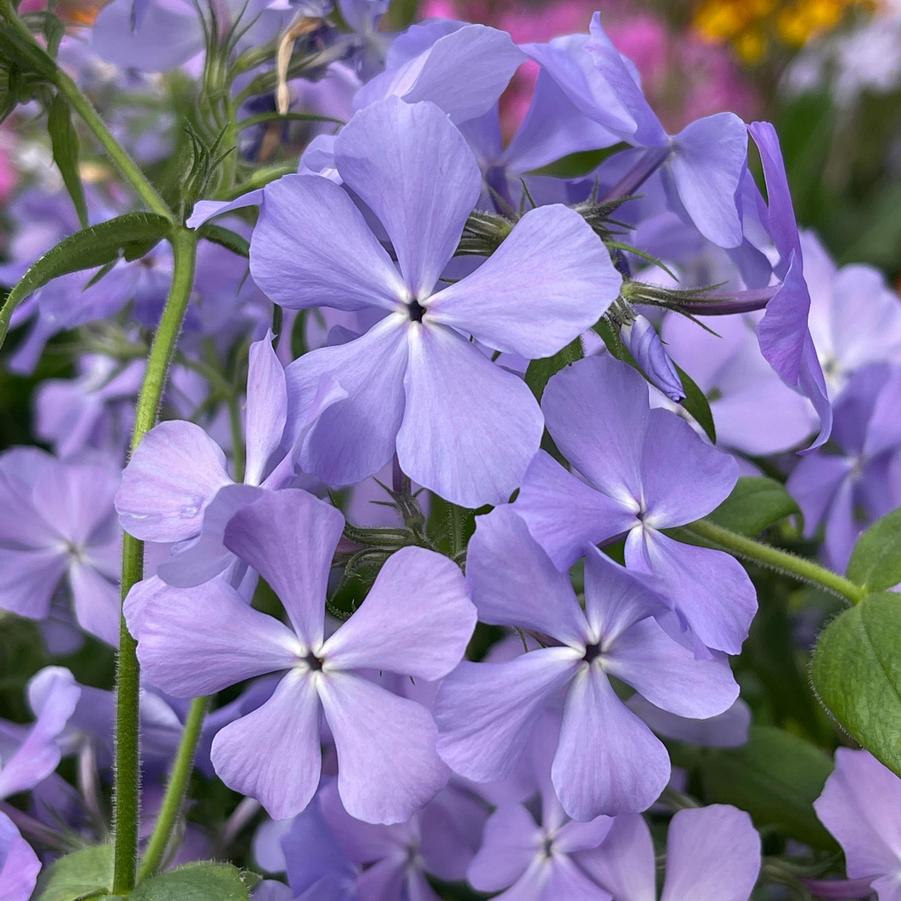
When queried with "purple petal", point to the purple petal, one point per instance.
{"points": [[54, 694], [387, 764], [707, 164], [564, 514], [312, 247], [814, 483], [173, 474], [29, 579], [710, 589], [463, 72], [607, 761], [204, 210], [515, 584], [289, 537], [451, 827], [282, 771], [197, 641], [96, 602], [19, 865], [684, 478], [510, 842], [624, 864], [859, 806], [597, 413], [486, 711], [549, 281], [371, 370], [727, 730], [417, 619], [470, 454], [266, 412], [712, 854], [389, 154], [783, 329]]}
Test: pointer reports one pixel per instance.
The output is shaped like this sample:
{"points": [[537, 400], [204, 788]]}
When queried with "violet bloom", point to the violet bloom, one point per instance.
{"points": [[846, 491], [19, 865], [702, 166], [58, 527], [413, 377], [636, 471], [176, 487], [783, 333], [440, 840], [607, 760], [859, 806], [538, 861], [712, 854], [416, 621]]}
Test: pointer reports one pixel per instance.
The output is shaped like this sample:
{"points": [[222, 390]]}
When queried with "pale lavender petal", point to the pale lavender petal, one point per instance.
{"points": [[710, 589], [19, 865], [96, 602], [707, 163], [389, 154], [727, 730], [197, 641], [451, 830], [684, 478], [515, 584], [371, 370], [173, 474], [608, 761], [28, 580], [597, 413], [273, 754], [470, 454], [289, 537], [510, 842], [204, 210], [487, 711], [54, 694], [712, 854], [564, 514], [463, 72], [417, 619], [385, 879], [814, 483], [312, 247], [387, 764], [574, 836], [624, 864], [267, 408], [549, 281], [859, 806], [668, 674]]}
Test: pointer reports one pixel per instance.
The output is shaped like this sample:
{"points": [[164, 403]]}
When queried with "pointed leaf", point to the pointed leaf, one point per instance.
{"points": [[696, 404], [540, 371], [81, 874], [755, 504], [64, 141]]}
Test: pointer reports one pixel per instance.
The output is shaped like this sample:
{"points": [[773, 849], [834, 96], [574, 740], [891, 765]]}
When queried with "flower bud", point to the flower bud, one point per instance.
{"points": [[645, 345]]}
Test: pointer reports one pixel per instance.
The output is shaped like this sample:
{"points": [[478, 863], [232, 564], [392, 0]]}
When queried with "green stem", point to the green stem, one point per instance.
{"points": [[799, 568], [175, 790], [126, 788]]}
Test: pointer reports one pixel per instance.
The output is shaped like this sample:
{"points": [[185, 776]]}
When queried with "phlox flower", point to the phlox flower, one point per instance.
{"points": [[58, 527], [416, 621], [636, 472], [176, 487], [607, 761], [416, 383]]}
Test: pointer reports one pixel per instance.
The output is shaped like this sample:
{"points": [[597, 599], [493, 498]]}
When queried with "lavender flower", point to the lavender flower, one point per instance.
{"points": [[636, 472], [19, 865], [411, 378], [607, 761], [415, 621]]}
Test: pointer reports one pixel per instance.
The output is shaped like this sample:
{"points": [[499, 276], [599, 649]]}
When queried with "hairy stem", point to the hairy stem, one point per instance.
{"points": [[799, 568], [126, 787], [176, 789]]}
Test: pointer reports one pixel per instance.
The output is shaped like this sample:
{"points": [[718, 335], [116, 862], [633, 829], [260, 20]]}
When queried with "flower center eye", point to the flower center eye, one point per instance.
{"points": [[313, 662], [592, 652], [415, 310]]}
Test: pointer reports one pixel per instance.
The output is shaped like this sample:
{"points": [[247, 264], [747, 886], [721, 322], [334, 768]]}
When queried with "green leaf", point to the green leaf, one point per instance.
{"points": [[578, 164], [27, 54], [90, 247], [204, 881], [450, 527], [696, 404], [64, 141], [776, 777], [755, 503], [876, 560], [540, 371], [83, 874], [856, 671], [226, 238]]}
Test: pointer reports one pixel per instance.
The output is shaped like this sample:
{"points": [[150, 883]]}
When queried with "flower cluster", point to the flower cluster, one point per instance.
{"points": [[431, 562]]}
